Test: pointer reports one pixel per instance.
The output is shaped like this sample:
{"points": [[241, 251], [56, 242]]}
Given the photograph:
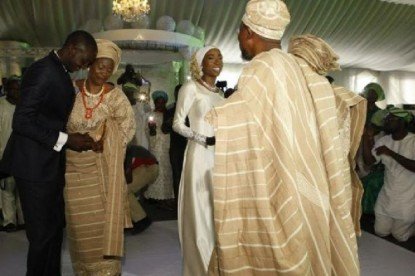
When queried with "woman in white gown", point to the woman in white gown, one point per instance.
{"points": [[162, 189], [196, 98]]}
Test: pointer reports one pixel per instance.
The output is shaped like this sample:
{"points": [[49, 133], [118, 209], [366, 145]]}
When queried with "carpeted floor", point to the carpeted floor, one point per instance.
{"points": [[156, 252], [367, 223], [159, 213]]}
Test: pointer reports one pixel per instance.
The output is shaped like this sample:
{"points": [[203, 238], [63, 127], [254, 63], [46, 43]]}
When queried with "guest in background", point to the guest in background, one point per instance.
{"points": [[411, 124], [395, 205], [372, 176], [372, 128], [142, 110], [130, 76], [177, 143], [141, 169], [373, 93], [162, 189], [12, 211], [195, 218], [96, 192]]}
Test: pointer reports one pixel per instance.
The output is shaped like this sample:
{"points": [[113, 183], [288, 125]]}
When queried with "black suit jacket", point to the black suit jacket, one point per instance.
{"points": [[47, 97], [177, 142]]}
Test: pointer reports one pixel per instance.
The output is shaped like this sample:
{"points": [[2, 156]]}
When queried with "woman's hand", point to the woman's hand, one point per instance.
{"points": [[210, 141]]}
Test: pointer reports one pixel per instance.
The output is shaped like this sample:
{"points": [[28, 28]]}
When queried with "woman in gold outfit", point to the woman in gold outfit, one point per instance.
{"points": [[95, 192]]}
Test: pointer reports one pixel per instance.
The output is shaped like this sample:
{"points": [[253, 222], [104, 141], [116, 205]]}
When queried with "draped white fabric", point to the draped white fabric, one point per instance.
{"points": [[399, 86], [372, 34], [409, 2]]}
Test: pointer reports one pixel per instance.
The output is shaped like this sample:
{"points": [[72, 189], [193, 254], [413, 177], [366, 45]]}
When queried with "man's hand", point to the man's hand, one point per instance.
{"points": [[210, 141], [383, 150], [79, 142]]}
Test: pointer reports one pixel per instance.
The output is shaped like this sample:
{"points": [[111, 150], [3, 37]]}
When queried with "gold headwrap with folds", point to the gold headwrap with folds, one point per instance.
{"points": [[108, 49], [316, 52], [267, 18]]}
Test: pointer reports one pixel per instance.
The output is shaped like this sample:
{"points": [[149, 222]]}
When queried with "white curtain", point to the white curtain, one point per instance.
{"points": [[366, 33], [399, 86]]}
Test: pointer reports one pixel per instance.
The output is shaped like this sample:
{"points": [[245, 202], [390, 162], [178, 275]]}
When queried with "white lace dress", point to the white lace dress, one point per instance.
{"points": [[162, 188]]}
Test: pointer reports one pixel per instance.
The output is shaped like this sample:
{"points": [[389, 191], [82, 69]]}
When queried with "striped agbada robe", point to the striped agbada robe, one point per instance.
{"points": [[96, 205], [351, 115], [350, 109], [280, 201]]}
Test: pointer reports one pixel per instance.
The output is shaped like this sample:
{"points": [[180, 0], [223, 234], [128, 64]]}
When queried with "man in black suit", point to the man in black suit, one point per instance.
{"points": [[35, 152]]}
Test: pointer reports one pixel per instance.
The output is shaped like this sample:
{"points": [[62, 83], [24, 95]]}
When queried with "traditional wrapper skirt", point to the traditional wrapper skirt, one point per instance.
{"points": [[85, 214]]}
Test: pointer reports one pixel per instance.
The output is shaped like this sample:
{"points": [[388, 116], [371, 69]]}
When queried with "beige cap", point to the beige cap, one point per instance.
{"points": [[267, 18]]}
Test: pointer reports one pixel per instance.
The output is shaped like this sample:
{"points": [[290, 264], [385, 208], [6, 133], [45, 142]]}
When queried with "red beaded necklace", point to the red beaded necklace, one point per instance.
{"points": [[89, 110]]}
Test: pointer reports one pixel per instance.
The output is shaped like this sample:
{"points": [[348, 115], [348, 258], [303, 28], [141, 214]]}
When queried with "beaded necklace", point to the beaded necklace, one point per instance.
{"points": [[208, 87], [85, 93]]}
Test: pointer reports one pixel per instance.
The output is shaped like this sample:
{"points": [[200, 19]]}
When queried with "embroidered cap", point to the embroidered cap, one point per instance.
{"points": [[267, 18]]}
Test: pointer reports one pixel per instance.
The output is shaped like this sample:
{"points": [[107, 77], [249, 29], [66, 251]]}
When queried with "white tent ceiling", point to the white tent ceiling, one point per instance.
{"points": [[409, 2], [372, 34]]}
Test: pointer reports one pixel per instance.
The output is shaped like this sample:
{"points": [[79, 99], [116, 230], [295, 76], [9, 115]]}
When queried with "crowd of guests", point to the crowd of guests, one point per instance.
{"points": [[387, 166], [265, 180]]}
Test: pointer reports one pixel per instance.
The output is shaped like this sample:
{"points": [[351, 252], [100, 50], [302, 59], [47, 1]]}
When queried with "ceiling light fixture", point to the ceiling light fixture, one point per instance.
{"points": [[131, 10]]}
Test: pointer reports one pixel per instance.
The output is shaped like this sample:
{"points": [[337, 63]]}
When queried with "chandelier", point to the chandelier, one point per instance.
{"points": [[131, 10]]}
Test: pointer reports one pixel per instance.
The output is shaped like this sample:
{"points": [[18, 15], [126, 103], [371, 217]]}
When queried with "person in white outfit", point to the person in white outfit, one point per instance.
{"points": [[195, 216], [12, 210], [160, 190], [142, 111], [395, 205]]}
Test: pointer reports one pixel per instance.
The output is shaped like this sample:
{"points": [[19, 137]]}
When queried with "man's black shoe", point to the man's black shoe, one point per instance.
{"points": [[10, 228], [140, 225]]}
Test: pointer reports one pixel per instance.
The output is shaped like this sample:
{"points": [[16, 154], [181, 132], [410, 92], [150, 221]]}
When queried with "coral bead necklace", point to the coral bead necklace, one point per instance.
{"points": [[85, 93]]}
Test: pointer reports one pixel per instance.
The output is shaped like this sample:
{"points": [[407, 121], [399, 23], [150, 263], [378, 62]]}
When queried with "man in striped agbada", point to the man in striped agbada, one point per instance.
{"points": [[281, 202]]}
